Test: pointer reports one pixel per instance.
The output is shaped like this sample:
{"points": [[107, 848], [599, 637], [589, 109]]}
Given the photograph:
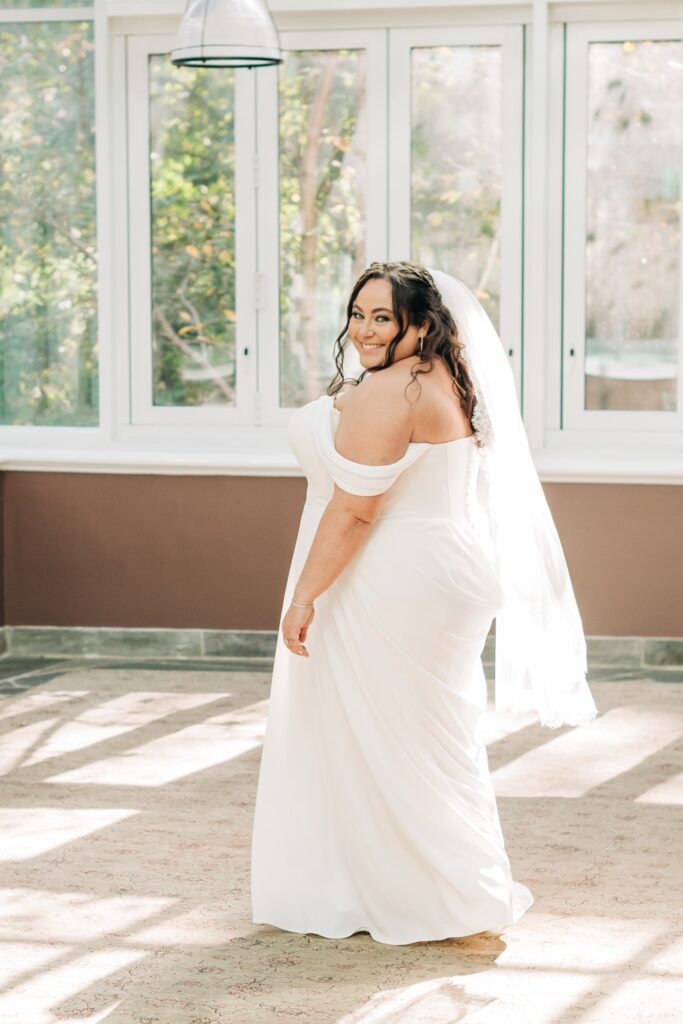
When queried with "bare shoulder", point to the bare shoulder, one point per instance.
{"points": [[404, 402], [435, 411], [375, 425]]}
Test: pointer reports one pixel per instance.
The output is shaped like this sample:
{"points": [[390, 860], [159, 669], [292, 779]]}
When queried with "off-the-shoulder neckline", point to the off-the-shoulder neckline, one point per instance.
{"points": [[418, 444]]}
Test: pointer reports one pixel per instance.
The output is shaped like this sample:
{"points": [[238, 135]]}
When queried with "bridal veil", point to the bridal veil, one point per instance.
{"points": [[540, 647]]}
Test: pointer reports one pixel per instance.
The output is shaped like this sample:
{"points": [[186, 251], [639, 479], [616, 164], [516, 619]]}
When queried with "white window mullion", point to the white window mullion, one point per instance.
{"points": [[105, 185], [139, 241], [546, 392], [535, 230], [399, 120], [512, 226], [574, 199], [377, 215], [265, 289], [246, 341]]}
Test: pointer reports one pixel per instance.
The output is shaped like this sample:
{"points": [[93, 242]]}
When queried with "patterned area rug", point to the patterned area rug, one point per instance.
{"points": [[125, 836]]}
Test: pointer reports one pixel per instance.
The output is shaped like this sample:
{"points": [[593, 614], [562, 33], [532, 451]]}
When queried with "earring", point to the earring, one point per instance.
{"points": [[420, 339]]}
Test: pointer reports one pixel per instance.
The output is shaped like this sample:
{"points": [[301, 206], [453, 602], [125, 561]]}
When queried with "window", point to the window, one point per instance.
{"points": [[322, 144], [456, 167], [48, 246], [189, 296], [188, 168], [457, 158], [323, 172], [368, 153], [192, 196], [623, 283]]}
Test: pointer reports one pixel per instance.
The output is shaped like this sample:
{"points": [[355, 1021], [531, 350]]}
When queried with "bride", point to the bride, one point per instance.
{"points": [[424, 521]]}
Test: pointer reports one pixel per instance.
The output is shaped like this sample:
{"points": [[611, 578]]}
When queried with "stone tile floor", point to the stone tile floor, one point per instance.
{"points": [[125, 824]]}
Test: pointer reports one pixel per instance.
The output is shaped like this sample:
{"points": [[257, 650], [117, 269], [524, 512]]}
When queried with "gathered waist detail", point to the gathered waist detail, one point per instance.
{"points": [[314, 503]]}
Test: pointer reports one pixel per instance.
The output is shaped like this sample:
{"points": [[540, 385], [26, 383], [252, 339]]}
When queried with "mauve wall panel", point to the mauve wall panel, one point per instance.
{"points": [[213, 552], [624, 548], [132, 550]]}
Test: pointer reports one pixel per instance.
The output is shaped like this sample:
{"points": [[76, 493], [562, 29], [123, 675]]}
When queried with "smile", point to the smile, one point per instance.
{"points": [[370, 346]]}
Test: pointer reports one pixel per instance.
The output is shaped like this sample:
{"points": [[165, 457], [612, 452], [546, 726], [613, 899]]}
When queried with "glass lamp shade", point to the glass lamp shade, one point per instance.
{"points": [[226, 34]]}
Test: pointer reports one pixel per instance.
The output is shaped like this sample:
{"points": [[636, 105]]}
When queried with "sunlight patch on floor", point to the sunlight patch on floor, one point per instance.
{"points": [[572, 764], [176, 754], [600, 943], [68, 917], [118, 716], [22, 958], [670, 791], [15, 746], [445, 997], [27, 832], [632, 1000], [38, 700], [37, 999], [496, 725]]}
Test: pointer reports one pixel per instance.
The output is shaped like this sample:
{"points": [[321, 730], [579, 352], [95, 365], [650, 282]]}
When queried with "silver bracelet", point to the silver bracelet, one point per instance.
{"points": [[297, 605]]}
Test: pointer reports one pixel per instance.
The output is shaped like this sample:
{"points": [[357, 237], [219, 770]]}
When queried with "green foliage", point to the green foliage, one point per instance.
{"points": [[456, 167], [48, 258], [322, 209], [193, 239]]}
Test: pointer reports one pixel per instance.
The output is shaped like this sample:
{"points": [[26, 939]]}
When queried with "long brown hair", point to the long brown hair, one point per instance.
{"points": [[415, 299]]}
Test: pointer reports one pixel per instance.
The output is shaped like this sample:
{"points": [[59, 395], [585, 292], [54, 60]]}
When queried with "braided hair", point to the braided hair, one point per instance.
{"points": [[416, 299]]}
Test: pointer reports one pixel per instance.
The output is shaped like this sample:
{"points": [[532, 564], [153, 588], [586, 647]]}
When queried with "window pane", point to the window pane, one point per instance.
{"points": [[48, 259], [456, 165], [192, 162], [322, 210], [633, 224]]}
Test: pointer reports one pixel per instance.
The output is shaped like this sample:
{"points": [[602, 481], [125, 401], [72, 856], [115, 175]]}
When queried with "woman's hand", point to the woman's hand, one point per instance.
{"points": [[295, 628]]}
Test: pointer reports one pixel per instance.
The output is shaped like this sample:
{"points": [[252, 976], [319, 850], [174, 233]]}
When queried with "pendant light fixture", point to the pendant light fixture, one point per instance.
{"points": [[226, 34]]}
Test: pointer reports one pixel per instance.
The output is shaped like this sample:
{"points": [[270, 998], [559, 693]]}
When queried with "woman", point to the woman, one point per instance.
{"points": [[375, 809]]}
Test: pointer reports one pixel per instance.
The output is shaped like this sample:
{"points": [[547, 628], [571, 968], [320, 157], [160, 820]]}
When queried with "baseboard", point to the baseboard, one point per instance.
{"points": [[604, 652]]}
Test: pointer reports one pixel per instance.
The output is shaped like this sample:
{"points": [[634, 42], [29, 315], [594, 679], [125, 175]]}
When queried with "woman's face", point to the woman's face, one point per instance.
{"points": [[373, 324]]}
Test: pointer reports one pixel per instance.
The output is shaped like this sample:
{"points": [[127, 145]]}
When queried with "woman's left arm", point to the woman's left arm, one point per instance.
{"points": [[343, 527], [371, 440]]}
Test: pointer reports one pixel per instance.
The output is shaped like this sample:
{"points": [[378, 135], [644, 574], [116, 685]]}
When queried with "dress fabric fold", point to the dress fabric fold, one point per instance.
{"points": [[375, 809]]}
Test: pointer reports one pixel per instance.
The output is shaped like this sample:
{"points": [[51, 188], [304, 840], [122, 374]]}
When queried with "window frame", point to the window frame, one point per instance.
{"points": [[510, 38], [68, 437], [373, 41], [574, 416], [137, 406]]}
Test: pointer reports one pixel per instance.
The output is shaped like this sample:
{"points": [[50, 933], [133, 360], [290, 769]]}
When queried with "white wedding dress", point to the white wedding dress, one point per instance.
{"points": [[375, 809]]}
